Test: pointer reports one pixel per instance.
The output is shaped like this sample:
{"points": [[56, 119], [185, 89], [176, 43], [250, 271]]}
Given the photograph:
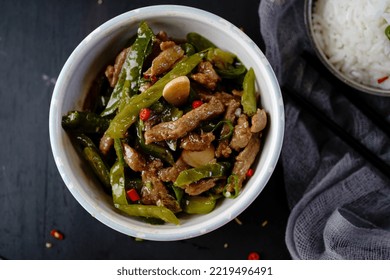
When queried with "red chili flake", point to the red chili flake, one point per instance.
{"points": [[144, 114], [56, 234], [250, 172], [196, 104], [133, 195], [253, 256], [381, 80]]}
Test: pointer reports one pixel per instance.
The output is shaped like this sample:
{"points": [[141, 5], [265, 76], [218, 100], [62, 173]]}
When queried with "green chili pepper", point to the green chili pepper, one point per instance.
{"points": [[221, 59], [232, 181], [212, 127], [150, 211], [387, 32], [85, 122], [98, 166], [188, 48], [95, 161], [199, 204], [192, 175], [199, 42], [153, 149], [128, 115], [248, 98], [129, 77], [84, 141], [232, 71], [179, 192], [117, 176]]}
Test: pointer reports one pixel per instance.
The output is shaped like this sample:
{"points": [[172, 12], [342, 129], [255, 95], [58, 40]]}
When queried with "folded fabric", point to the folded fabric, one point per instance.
{"points": [[340, 204]]}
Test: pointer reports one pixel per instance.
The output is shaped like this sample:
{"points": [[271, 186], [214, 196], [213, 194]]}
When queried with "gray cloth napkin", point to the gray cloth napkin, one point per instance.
{"points": [[340, 203]]}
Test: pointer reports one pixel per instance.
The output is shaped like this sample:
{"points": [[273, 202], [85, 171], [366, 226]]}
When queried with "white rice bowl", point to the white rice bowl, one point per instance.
{"points": [[351, 35]]}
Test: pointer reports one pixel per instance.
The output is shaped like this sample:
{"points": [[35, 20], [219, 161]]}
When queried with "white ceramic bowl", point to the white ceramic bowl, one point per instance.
{"points": [[325, 60], [97, 50]]}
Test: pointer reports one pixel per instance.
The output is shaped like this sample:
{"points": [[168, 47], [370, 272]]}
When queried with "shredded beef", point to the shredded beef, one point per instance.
{"points": [[197, 142], [154, 191], [244, 160], [223, 148], [105, 144], [259, 121], [224, 97], [166, 59], [170, 174], [241, 134], [200, 186], [112, 72], [180, 127], [133, 158], [206, 75]]}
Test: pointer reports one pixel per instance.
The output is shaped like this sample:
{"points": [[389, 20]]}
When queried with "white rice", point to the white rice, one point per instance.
{"points": [[352, 36]]}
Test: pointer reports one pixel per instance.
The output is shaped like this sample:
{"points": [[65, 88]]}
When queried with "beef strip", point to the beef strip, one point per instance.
{"points": [[112, 72], [224, 97], [188, 122], [133, 159], [244, 160], [259, 121], [154, 191], [105, 144], [170, 174], [197, 142], [206, 75], [241, 134], [223, 148], [170, 54], [200, 186]]}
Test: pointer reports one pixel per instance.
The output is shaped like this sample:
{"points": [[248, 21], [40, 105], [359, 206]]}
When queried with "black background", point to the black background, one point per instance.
{"points": [[36, 37]]}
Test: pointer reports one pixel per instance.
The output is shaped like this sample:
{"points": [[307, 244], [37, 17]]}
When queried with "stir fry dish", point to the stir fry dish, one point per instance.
{"points": [[171, 127]]}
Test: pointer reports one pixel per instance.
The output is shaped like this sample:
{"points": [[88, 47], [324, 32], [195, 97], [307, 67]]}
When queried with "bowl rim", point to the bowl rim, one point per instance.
{"points": [[172, 233], [308, 19]]}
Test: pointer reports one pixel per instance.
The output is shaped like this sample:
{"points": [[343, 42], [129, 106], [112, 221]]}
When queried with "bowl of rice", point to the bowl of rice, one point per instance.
{"points": [[352, 40]]}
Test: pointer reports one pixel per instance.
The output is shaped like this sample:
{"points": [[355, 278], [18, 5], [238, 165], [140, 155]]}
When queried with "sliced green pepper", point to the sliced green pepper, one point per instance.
{"points": [[199, 42], [233, 183], [153, 149], [387, 32], [192, 175], [188, 48], [95, 161], [248, 98], [85, 122], [234, 71], [97, 165], [221, 59], [128, 115], [129, 77], [199, 204], [150, 211], [212, 127], [117, 176]]}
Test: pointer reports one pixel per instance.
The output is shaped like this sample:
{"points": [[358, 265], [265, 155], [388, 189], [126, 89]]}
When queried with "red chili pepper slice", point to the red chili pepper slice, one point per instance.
{"points": [[56, 234], [196, 104], [144, 114], [253, 256], [250, 172], [381, 80], [133, 195]]}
